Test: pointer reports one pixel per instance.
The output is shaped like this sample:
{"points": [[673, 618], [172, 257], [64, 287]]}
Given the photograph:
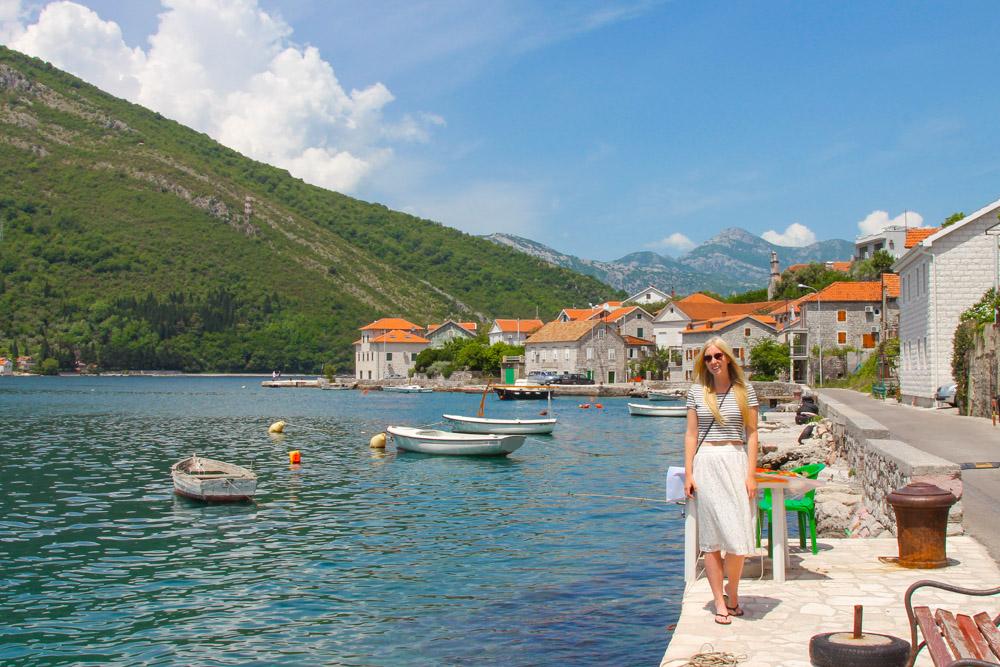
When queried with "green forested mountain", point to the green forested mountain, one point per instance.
{"points": [[125, 241]]}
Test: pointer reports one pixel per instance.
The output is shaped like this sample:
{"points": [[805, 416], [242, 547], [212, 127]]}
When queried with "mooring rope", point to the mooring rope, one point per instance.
{"points": [[713, 658]]}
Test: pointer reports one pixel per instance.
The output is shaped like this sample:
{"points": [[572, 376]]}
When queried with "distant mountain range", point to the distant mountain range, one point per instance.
{"points": [[732, 261]]}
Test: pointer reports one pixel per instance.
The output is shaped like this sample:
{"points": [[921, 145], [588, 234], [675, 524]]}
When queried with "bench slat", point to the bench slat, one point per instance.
{"points": [[974, 638], [990, 632], [949, 628], [932, 636]]}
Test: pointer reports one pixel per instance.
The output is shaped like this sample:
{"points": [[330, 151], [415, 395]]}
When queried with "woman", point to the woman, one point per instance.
{"points": [[720, 463]]}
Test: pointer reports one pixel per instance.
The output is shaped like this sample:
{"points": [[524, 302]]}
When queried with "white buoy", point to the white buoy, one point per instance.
{"points": [[377, 441], [276, 427]]}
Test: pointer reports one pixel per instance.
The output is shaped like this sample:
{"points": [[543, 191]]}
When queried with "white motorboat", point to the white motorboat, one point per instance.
{"points": [[408, 389], [663, 395], [640, 410], [462, 424], [431, 441], [214, 481]]}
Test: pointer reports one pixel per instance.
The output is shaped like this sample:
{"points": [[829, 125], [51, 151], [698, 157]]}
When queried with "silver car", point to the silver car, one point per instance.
{"points": [[946, 394]]}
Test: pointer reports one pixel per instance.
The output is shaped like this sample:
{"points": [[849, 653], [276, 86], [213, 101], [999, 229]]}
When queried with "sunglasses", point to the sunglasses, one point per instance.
{"points": [[718, 356]]}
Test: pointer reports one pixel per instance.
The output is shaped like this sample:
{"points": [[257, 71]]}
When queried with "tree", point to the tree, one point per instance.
{"points": [[815, 275], [768, 358], [952, 219], [48, 366], [873, 267]]}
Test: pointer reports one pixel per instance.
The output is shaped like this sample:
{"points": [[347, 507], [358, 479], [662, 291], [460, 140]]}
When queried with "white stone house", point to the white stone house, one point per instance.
{"points": [[648, 296], [387, 349], [439, 334], [632, 321], [941, 277], [513, 331], [741, 332], [591, 347], [6, 366], [889, 239], [676, 317]]}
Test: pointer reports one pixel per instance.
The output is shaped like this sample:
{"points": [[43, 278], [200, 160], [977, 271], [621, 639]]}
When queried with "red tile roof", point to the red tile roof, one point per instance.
{"points": [[721, 323], [580, 314], [389, 323], [918, 234], [524, 326], [397, 336], [869, 290], [891, 282], [632, 340], [708, 310], [698, 297]]}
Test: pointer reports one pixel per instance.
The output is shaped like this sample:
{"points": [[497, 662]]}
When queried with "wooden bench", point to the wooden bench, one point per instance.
{"points": [[953, 640]]}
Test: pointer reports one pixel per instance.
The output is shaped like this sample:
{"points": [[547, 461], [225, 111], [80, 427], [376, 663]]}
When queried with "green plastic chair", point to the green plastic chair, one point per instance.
{"points": [[804, 507]]}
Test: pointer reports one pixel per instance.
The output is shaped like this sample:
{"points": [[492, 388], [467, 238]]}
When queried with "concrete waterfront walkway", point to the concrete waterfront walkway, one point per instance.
{"points": [[819, 596], [954, 438]]}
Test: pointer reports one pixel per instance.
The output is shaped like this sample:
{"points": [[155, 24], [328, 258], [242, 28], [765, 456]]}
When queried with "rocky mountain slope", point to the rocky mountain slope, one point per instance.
{"points": [[732, 261]]}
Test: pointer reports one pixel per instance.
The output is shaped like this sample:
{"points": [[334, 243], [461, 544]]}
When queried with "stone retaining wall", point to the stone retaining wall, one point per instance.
{"points": [[883, 465]]}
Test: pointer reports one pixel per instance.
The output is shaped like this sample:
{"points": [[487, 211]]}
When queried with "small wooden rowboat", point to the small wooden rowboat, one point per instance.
{"points": [[214, 481], [663, 395], [462, 424], [640, 410], [430, 441], [408, 389]]}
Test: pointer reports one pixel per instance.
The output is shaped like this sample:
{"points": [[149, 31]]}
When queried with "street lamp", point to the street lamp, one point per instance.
{"points": [[819, 328]]}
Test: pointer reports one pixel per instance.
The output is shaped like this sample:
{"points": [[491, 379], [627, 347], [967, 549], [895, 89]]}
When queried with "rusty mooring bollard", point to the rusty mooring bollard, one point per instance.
{"points": [[921, 524]]}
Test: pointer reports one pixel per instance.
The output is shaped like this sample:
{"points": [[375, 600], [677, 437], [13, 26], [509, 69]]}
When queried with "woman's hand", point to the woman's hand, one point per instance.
{"points": [[752, 485], [688, 486]]}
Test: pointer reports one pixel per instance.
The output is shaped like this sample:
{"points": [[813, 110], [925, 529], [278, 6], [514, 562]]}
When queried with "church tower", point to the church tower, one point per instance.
{"points": [[772, 284]]}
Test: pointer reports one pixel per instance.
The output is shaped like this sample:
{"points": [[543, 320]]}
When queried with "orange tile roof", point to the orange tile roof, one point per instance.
{"points": [[558, 332], [891, 282], [915, 236], [632, 340], [619, 313], [697, 297], [843, 267], [579, 314], [844, 290], [705, 311], [397, 336], [524, 326], [721, 323], [389, 323]]}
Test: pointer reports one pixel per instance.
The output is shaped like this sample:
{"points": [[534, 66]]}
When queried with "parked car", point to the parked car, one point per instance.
{"points": [[542, 377], [572, 378], [946, 394]]}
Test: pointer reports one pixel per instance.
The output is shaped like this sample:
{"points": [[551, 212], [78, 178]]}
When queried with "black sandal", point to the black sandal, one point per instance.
{"points": [[736, 611], [728, 620]]}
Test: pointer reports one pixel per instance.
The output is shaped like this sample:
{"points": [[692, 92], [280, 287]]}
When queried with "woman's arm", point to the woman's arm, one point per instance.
{"points": [[752, 447], [690, 444]]}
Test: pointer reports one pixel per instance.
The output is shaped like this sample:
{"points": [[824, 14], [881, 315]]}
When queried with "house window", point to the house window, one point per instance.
{"points": [[841, 315], [566, 355], [738, 352], [638, 332], [631, 353], [600, 334], [746, 332], [369, 375], [687, 375], [841, 338], [611, 354], [590, 353], [388, 356]]}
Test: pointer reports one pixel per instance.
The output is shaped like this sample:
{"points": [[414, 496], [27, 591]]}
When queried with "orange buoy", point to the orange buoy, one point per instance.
{"points": [[295, 457], [598, 405], [584, 406]]}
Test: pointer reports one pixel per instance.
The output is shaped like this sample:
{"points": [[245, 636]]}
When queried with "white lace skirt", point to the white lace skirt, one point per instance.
{"points": [[724, 519]]}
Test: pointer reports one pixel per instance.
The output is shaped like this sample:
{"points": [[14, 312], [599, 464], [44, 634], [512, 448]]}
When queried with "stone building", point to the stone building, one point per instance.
{"points": [[591, 347], [513, 331], [740, 332], [387, 349], [439, 334], [941, 276]]}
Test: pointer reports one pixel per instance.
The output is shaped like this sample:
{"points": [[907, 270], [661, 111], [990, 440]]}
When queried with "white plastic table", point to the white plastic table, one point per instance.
{"points": [[779, 531]]}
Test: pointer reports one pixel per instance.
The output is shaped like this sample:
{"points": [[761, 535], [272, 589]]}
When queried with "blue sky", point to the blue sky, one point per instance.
{"points": [[599, 128]]}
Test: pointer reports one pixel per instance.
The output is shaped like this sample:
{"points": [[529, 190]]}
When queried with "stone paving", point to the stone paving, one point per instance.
{"points": [[820, 595]]}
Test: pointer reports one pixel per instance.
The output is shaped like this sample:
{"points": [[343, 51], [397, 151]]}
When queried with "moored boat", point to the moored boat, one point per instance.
{"points": [[510, 392], [663, 395], [463, 424], [641, 410], [432, 441], [214, 481], [408, 389]]}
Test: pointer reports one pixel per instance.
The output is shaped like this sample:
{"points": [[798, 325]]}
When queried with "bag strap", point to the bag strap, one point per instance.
{"points": [[712, 423]]}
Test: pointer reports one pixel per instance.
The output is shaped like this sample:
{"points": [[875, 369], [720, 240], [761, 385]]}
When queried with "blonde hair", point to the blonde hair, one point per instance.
{"points": [[739, 382]]}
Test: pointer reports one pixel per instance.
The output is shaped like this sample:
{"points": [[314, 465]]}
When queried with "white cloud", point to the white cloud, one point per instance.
{"points": [[675, 243], [228, 68], [876, 221], [795, 236]]}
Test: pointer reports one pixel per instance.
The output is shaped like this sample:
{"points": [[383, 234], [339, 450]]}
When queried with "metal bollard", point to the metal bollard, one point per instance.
{"points": [[921, 524]]}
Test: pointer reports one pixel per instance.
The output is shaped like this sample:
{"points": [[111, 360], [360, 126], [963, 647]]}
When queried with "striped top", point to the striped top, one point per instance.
{"points": [[730, 410]]}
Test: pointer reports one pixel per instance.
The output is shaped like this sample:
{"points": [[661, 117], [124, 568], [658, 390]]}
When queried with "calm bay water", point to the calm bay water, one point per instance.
{"points": [[352, 558]]}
